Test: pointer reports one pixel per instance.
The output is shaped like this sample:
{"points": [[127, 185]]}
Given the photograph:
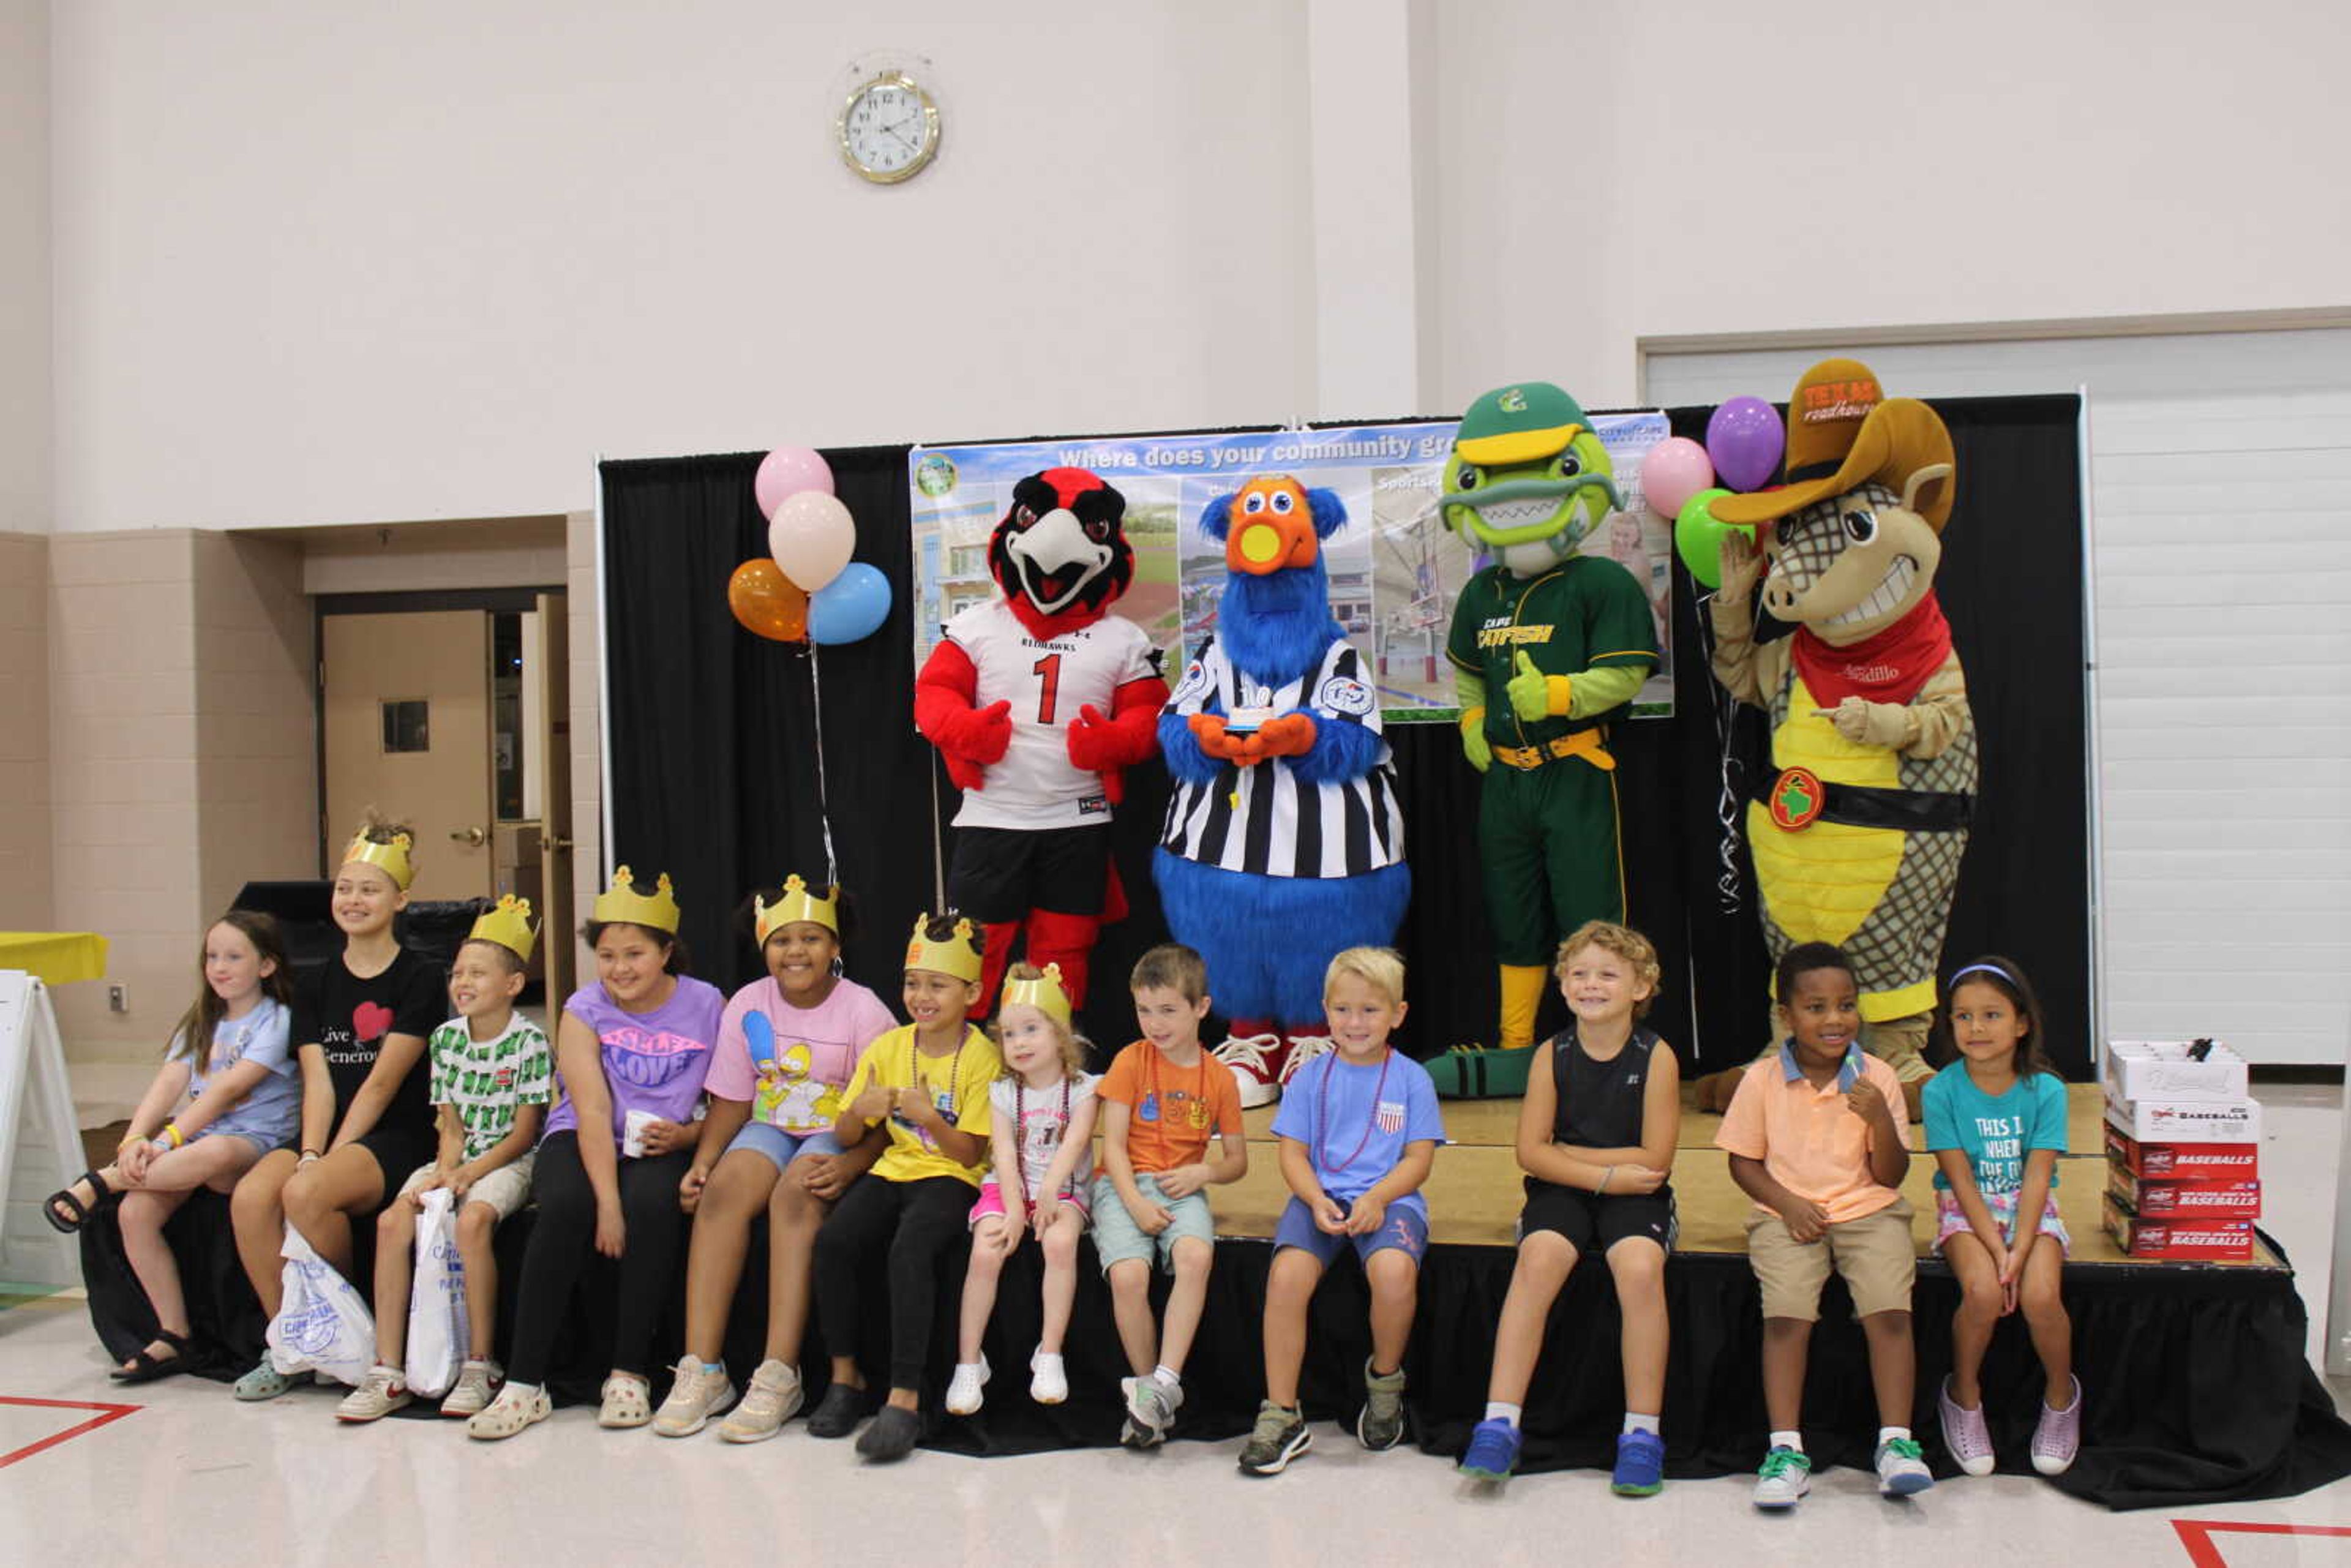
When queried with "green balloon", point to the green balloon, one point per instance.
{"points": [[1698, 537]]}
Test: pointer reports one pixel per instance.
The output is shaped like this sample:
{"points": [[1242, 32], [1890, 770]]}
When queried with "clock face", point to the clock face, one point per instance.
{"points": [[889, 130]]}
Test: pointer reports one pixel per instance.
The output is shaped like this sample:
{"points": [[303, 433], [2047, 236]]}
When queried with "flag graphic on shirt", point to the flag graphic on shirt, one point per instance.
{"points": [[1390, 1117]]}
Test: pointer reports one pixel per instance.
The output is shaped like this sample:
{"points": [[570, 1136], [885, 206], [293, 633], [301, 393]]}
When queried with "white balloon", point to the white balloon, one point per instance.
{"points": [[811, 537]]}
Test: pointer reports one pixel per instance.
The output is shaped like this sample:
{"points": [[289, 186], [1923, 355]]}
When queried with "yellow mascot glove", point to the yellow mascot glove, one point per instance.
{"points": [[1534, 695], [1473, 739]]}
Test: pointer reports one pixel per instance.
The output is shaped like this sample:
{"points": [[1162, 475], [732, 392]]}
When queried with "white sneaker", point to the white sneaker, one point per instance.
{"points": [[1255, 1060], [478, 1384], [773, 1399], [1048, 1383], [1303, 1049], [1785, 1478], [1901, 1468], [964, 1395], [694, 1398], [380, 1392]]}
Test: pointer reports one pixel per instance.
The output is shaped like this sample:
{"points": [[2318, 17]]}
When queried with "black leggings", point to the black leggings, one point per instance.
{"points": [[564, 1237], [916, 1220]]}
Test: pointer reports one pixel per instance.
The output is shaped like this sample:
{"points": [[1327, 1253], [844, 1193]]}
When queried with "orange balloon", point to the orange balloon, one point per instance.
{"points": [[768, 602]]}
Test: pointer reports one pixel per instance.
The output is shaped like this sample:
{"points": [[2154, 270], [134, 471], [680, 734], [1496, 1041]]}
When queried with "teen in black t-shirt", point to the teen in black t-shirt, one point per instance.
{"points": [[360, 1028]]}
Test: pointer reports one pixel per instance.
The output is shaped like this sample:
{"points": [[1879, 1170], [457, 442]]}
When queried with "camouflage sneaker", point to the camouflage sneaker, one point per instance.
{"points": [[1380, 1425], [1279, 1436]]}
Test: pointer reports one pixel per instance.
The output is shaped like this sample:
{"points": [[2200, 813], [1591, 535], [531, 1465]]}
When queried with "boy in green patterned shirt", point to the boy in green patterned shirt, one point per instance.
{"points": [[492, 1078]]}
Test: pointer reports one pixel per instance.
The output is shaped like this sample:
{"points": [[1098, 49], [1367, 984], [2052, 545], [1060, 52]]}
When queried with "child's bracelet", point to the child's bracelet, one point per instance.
{"points": [[1603, 1181], [172, 1131]]}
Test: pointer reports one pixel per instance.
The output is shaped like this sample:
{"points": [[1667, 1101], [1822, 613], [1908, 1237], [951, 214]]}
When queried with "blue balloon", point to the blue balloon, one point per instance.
{"points": [[849, 607]]}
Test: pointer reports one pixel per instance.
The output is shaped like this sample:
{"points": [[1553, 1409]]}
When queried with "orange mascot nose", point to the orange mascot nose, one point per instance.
{"points": [[1270, 528]]}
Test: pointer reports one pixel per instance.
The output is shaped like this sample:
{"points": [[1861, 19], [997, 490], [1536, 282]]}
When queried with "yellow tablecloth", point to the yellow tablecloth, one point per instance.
{"points": [[57, 956]]}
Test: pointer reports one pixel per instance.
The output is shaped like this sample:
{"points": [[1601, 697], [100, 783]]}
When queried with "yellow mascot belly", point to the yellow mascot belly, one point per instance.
{"points": [[1822, 882]]}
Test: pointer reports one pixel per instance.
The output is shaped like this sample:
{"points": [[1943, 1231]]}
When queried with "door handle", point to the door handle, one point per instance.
{"points": [[555, 845], [476, 837]]}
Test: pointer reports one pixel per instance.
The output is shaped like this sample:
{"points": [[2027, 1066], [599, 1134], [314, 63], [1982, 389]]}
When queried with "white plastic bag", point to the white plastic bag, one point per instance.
{"points": [[438, 1331], [324, 1325]]}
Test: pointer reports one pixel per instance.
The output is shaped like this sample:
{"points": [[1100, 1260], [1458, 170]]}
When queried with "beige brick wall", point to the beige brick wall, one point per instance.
{"points": [[125, 814], [25, 790], [256, 729]]}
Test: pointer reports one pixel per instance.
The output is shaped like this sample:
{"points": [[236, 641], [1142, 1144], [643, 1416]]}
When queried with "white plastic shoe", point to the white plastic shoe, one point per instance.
{"points": [[1049, 1382], [964, 1395], [1255, 1060], [515, 1409]]}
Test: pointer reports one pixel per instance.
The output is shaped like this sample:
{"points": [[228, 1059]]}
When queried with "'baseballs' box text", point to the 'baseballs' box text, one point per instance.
{"points": [[2183, 1162], [2180, 1241]]}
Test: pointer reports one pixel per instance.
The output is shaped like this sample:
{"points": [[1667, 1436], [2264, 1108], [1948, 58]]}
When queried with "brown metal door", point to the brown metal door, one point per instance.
{"points": [[407, 699]]}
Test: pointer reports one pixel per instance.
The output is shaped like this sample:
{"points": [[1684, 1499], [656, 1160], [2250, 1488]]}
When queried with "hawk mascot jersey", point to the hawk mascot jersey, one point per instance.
{"points": [[1047, 679]]}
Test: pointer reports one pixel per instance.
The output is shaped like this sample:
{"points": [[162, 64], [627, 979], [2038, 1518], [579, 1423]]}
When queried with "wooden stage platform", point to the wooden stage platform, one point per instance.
{"points": [[1474, 1192]]}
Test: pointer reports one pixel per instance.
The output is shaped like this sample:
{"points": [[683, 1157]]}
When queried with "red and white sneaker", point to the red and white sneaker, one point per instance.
{"points": [[1259, 1063], [1303, 1049]]}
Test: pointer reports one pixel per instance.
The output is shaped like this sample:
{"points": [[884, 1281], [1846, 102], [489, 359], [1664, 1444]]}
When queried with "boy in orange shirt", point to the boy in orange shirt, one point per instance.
{"points": [[1161, 1099], [1820, 1146]]}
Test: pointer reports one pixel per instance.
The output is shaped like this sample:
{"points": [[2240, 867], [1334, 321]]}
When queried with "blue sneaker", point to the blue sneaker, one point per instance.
{"points": [[1640, 1465], [1493, 1451]]}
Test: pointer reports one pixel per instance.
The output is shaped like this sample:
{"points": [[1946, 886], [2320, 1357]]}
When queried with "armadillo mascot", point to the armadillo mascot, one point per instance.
{"points": [[1858, 826], [1547, 646]]}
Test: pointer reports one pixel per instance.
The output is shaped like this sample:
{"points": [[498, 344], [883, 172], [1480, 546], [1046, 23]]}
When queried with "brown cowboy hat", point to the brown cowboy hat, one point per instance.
{"points": [[1899, 436]]}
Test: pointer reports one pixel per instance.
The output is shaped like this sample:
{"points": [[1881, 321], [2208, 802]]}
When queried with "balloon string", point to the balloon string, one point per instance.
{"points": [[1723, 708], [824, 803]]}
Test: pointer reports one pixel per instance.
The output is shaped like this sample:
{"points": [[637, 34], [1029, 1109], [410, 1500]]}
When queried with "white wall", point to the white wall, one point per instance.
{"points": [[25, 431], [319, 263], [1741, 168]]}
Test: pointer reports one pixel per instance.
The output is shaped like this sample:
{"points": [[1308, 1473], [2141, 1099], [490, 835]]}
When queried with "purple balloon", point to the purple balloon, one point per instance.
{"points": [[1745, 439]]}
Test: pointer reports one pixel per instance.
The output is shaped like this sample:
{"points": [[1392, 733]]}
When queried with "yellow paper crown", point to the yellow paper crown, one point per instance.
{"points": [[390, 857], [507, 924], [1043, 993], [622, 901], [797, 903], [958, 956]]}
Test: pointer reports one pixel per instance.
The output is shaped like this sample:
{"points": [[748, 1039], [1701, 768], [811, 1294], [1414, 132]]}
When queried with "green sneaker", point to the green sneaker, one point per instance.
{"points": [[1475, 1072], [1380, 1425], [1279, 1436]]}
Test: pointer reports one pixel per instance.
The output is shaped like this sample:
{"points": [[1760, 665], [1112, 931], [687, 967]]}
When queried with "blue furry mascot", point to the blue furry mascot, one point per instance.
{"points": [[1284, 841]]}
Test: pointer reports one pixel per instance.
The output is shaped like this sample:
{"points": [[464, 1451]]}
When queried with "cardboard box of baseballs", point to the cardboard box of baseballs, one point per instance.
{"points": [[2187, 1121], [2182, 1161], [2169, 1069], [2180, 1241], [2152, 1198]]}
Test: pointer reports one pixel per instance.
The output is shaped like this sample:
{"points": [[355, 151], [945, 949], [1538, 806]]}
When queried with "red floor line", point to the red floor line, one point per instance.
{"points": [[2195, 1535], [106, 1413]]}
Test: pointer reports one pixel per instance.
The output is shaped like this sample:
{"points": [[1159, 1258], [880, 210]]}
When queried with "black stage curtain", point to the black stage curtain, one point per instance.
{"points": [[2198, 1387], [715, 777]]}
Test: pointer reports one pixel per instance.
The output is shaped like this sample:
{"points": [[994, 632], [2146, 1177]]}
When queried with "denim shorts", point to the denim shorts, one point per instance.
{"points": [[1402, 1230], [1118, 1239], [782, 1148]]}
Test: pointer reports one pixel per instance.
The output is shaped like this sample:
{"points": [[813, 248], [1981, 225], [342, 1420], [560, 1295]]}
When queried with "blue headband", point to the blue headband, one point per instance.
{"points": [[1985, 969]]}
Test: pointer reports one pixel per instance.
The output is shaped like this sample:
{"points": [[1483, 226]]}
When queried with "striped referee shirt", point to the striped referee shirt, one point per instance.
{"points": [[1261, 818]]}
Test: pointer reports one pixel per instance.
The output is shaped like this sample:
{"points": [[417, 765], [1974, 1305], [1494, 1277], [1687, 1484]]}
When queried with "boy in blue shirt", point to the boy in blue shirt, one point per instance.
{"points": [[1359, 1129]]}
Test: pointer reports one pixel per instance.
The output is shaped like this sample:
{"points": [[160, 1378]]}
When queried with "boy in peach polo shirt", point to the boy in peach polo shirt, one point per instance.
{"points": [[1822, 1145]]}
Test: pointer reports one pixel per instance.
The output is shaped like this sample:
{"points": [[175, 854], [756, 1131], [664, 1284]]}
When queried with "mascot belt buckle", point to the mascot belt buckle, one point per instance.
{"points": [[1797, 798]]}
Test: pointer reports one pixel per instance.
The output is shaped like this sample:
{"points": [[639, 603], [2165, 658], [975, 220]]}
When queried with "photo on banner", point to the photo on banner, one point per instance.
{"points": [[1393, 568]]}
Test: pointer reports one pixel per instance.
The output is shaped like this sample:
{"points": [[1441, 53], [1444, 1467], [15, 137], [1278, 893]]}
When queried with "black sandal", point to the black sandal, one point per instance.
{"points": [[81, 1211], [147, 1368]]}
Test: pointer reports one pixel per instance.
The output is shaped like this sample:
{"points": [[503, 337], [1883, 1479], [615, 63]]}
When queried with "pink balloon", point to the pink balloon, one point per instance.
{"points": [[1676, 469], [811, 537], [789, 471]]}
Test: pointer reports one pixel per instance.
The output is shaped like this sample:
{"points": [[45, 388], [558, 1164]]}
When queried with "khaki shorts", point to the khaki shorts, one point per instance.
{"points": [[503, 1190], [1875, 1253]]}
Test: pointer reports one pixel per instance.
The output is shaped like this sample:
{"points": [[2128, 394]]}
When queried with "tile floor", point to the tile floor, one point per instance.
{"points": [[191, 1477]]}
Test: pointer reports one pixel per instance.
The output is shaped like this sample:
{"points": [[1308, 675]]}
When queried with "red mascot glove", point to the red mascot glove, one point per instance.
{"points": [[1095, 744], [969, 738], [1290, 735]]}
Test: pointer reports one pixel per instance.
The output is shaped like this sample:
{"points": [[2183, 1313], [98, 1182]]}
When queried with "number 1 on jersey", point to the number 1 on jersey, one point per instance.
{"points": [[1048, 670]]}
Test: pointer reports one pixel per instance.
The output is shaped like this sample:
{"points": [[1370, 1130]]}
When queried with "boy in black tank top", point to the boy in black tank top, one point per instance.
{"points": [[1596, 1137]]}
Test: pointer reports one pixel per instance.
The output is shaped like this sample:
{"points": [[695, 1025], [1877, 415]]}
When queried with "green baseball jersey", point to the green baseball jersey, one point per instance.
{"points": [[1586, 612], [486, 1080]]}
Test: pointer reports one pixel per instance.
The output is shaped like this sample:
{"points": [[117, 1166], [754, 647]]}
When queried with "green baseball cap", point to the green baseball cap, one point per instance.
{"points": [[1518, 423]]}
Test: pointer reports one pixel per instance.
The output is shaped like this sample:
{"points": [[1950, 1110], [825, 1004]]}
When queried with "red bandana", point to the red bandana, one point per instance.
{"points": [[1888, 667]]}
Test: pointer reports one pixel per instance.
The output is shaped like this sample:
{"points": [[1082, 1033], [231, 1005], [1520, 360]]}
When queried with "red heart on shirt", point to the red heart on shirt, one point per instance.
{"points": [[371, 1022]]}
